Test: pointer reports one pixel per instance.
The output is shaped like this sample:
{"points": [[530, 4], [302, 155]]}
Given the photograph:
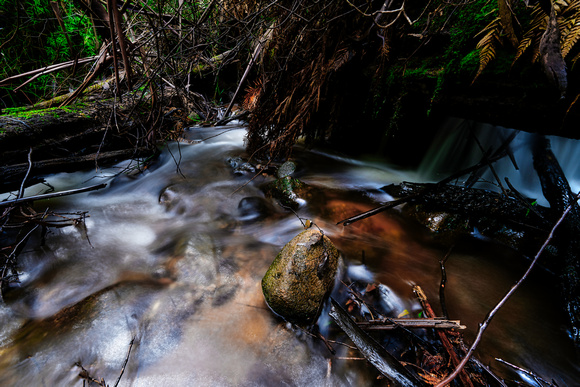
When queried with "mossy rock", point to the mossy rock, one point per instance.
{"points": [[284, 191], [301, 276]]}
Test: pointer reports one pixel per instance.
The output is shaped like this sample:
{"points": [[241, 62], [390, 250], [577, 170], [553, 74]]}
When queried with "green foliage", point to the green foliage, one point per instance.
{"points": [[25, 112], [32, 38], [465, 24]]}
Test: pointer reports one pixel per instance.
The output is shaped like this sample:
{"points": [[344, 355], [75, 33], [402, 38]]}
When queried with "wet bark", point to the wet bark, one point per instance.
{"points": [[489, 212]]}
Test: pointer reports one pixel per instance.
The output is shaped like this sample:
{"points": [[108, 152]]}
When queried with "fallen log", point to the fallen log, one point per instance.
{"points": [[469, 201], [72, 163], [86, 135], [450, 211]]}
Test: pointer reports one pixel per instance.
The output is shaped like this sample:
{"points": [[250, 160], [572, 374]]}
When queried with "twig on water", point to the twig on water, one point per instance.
{"points": [[126, 361], [443, 283], [483, 326], [525, 371], [21, 191], [51, 195]]}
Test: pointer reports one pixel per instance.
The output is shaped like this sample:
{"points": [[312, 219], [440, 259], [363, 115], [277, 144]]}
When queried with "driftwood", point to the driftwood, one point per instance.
{"points": [[442, 336], [385, 363], [392, 323], [51, 195]]}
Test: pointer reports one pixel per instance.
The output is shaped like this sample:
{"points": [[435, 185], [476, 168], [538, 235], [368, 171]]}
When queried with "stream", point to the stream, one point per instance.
{"points": [[167, 275]]}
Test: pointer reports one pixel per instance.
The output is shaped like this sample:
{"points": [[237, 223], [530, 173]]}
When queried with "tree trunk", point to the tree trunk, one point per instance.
{"points": [[558, 193]]}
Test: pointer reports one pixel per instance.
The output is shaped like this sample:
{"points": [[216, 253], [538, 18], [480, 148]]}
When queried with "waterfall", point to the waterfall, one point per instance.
{"points": [[456, 147]]}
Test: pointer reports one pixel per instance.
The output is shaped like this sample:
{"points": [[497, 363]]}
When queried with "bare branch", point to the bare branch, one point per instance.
{"points": [[483, 326]]}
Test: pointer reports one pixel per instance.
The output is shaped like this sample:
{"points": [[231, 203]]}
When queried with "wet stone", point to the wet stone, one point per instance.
{"points": [[286, 169], [254, 208], [301, 276], [239, 166]]}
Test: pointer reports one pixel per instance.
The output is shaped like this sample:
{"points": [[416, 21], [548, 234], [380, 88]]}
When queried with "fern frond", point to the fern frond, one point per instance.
{"points": [[561, 5], [534, 32], [570, 37], [569, 25], [575, 59], [487, 45], [340, 57]]}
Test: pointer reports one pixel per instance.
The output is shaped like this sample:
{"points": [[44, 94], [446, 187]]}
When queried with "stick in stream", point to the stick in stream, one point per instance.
{"points": [[483, 326], [21, 191], [525, 371], [384, 362], [126, 361], [51, 195], [443, 283], [442, 336]]}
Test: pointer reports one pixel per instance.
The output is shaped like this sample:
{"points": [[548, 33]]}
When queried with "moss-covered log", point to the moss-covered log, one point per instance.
{"points": [[71, 138]]}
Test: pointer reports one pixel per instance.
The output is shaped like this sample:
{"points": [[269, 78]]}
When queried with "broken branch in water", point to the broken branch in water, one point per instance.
{"points": [[525, 371], [384, 362], [392, 323], [483, 326], [442, 336], [86, 376], [51, 195], [126, 361], [443, 283], [377, 210]]}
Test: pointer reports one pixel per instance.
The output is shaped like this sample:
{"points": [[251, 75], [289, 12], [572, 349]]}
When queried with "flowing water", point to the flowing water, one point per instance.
{"points": [[172, 262]]}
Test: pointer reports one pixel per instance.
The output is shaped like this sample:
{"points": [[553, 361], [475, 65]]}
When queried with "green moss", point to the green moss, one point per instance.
{"points": [[37, 40], [26, 112]]}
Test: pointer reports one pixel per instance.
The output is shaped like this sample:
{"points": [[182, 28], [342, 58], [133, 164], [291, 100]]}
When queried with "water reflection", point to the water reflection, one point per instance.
{"points": [[175, 262]]}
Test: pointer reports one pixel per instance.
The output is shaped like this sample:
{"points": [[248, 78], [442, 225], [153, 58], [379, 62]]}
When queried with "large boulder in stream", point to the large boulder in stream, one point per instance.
{"points": [[301, 277]]}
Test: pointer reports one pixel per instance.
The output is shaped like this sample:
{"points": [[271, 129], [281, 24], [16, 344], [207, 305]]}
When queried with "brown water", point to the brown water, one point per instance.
{"points": [[182, 278]]}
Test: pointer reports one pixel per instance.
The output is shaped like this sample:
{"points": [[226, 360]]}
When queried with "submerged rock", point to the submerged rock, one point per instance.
{"points": [[254, 208], [301, 276]]}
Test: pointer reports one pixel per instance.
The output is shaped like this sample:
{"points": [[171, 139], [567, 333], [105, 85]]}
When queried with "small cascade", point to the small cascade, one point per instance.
{"points": [[460, 144]]}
